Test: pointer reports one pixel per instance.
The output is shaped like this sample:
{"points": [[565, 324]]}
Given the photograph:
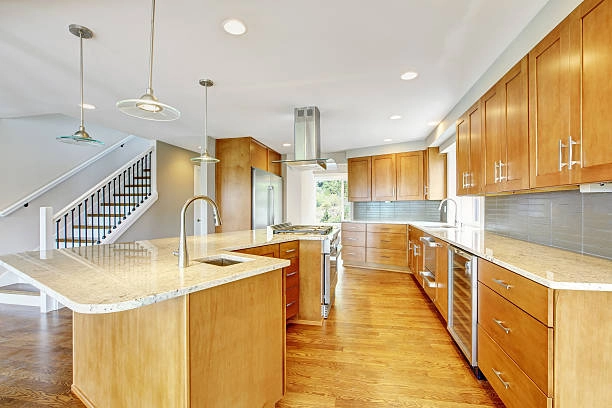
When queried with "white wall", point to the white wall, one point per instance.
{"points": [[300, 196], [30, 157], [551, 14]]}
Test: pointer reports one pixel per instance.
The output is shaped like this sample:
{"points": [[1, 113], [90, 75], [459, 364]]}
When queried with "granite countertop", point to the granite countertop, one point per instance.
{"points": [[123, 276], [551, 267]]}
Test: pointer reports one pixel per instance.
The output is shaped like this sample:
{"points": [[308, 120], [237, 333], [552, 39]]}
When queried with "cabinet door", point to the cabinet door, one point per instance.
{"points": [[259, 155], [492, 105], [476, 172], [409, 168], [591, 50], [463, 155], [360, 179], [383, 177], [514, 168], [441, 299], [549, 108], [434, 174]]}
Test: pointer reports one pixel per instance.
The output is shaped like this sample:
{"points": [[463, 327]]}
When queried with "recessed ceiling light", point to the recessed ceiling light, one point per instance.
{"points": [[234, 26], [387, 140], [199, 147], [433, 123], [286, 144], [407, 76], [88, 106], [395, 117]]}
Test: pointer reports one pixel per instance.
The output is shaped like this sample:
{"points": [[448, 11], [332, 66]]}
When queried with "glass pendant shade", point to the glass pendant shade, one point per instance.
{"points": [[80, 137], [204, 157], [147, 106]]}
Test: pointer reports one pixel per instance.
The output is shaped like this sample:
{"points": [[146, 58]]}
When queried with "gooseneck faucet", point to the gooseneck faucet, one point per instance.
{"points": [[456, 209], [183, 256]]}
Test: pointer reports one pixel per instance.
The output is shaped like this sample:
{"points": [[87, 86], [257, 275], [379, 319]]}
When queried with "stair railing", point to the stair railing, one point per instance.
{"points": [[92, 218]]}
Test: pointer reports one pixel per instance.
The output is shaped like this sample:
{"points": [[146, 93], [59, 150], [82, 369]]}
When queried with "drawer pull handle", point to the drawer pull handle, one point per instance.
{"points": [[288, 251], [293, 303], [291, 274], [500, 323], [498, 375], [503, 284]]}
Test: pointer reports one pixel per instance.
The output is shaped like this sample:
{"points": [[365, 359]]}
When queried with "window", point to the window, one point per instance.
{"points": [[332, 206]]}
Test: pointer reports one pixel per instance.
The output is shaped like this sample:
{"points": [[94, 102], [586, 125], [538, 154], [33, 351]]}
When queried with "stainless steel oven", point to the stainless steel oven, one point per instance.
{"points": [[463, 303]]}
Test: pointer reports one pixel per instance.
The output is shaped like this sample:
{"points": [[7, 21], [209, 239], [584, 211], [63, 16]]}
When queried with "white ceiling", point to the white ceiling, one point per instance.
{"points": [[343, 56]]}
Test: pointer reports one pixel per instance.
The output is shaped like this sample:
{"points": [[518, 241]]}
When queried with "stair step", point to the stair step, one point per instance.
{"points": [[20, 289], [137, 185], [131, 194]]}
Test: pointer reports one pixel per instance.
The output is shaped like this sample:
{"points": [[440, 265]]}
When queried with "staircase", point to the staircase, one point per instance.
{"points": [[102, 214]]}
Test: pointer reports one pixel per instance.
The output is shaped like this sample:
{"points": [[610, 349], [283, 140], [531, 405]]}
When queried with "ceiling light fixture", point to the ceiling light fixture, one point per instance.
{"points": [[204, 157], [395, 117], [286, 144], [147, 106], [387, 140], [433, 123], [234, 26], [407, 76], [88, 106], [80, 137]]}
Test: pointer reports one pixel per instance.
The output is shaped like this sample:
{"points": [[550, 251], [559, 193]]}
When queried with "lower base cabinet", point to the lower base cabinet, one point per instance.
{"points": [[381, 246]]}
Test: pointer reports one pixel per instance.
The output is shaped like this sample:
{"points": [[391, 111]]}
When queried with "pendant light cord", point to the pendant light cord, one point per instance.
{"points": [[81, 53], [150, 88]]}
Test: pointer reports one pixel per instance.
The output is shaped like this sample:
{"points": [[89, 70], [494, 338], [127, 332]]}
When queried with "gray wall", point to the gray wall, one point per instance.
{"points": [[175, 181], [568, 219], [396, 211]]}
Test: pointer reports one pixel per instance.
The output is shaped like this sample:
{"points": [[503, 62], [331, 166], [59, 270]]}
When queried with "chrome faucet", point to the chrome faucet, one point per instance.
{"points": [[183, 256], [456, 209]]}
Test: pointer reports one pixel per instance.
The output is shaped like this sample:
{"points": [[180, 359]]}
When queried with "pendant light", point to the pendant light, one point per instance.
{"points": [[147, 106], [204, 157], [80, 137]]}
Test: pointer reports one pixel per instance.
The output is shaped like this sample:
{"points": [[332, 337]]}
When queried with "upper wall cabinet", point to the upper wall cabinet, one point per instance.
{"points": [[505, 116], [409, 175], [570, 96], [360, 179], [470, 175], [434, 174], [383, 177]]}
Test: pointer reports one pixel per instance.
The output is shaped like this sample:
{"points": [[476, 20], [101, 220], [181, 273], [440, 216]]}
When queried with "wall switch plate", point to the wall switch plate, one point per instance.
{"points": [[596, 188]]}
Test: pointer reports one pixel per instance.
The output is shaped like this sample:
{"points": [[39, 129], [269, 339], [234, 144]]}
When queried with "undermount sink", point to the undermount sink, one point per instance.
{"points": [[222, 260]]}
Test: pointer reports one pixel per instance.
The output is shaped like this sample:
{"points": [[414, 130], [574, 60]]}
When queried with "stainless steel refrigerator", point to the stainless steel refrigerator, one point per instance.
{"points": [[267, 199]]}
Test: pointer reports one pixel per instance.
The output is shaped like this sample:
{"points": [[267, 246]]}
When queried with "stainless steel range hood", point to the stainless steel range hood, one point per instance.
{"points": [[307, 140]]}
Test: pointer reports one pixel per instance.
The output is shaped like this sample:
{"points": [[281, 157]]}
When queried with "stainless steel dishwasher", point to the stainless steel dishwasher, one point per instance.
{"points": [[463, 303]]}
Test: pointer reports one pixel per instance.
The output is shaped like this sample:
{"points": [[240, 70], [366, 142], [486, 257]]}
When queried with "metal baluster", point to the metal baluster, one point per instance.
{"points": [[120, 198], [72, 223], [141, 180], [129, 177], [126, 196], [57, 223], [149, 167], [79, 226], [98, 226], [115, 203], [133, 183], [65, 229], [93, 240], [85, 222]]}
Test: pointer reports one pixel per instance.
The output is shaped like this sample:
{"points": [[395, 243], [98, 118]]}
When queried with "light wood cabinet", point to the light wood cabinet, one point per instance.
{"points": [[360, 179], [233, 178], [380, 246], [383, 177], [505, 114], [291, 251], [434, 174], [409, 177], [441, 298], [470, 175]]}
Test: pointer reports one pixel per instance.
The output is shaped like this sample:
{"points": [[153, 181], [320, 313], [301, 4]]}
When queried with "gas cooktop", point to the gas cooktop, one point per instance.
{"points": [[288, 228]]}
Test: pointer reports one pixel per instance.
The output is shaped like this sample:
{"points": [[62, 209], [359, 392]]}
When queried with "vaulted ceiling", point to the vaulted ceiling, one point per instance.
{"points": [[343, 56]]}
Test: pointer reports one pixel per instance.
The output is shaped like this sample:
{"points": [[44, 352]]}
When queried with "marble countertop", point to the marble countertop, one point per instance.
{"points": [[551, 267], [123, 276]]}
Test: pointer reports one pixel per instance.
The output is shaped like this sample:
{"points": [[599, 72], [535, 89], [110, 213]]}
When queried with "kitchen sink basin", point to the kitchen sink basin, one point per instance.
{"points": [[222, 260]]}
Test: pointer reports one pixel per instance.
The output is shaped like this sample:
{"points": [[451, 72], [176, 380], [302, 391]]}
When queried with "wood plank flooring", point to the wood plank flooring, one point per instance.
{"points": [[383, 346]]}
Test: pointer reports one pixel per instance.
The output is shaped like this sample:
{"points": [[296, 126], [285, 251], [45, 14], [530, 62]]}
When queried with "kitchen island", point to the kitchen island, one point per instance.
{"points": [[147, 333]]}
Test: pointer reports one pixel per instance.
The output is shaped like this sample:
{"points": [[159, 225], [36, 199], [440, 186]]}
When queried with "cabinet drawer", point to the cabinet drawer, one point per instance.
{"points": [[351, 254], [292, 278], [387, 228], [264, 250], [292, 301], [386, 240], [294, 266], [353, 226], [530, 296], [516, 390], [354, 238], [289, 249], [524, 339], [386, 257]]}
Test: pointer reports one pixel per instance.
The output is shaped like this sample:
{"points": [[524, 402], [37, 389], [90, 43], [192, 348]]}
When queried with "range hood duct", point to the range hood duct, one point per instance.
{"points": [[307, 139]]}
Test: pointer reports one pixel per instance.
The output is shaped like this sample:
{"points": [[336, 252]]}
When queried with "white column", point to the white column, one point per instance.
{"points": [[46, 229]]}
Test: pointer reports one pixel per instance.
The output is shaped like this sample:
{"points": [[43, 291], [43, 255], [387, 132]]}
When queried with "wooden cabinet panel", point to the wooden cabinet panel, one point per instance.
{"points": [[259, 155], [470, 172], [441, 297], [549, 108], [353, 226], [463, 154], [434, 174], [388, 228], [386, 257], [591, 91], [354, 238], [292, 299], [386, 240], [527, 341], [383, 177], [274, 167], [353, 254], [271, 250], [530, 296], [360, 179], [512, 385], [289, 250], [409, 177], [492, 105]]}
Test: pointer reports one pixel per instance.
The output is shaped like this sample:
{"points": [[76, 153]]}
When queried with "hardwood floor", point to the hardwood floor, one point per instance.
{"points": [[383, 346]]}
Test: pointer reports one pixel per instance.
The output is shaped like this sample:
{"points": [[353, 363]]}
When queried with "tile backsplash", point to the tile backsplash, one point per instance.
{"points": [[396, 211], [566, 219]]}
